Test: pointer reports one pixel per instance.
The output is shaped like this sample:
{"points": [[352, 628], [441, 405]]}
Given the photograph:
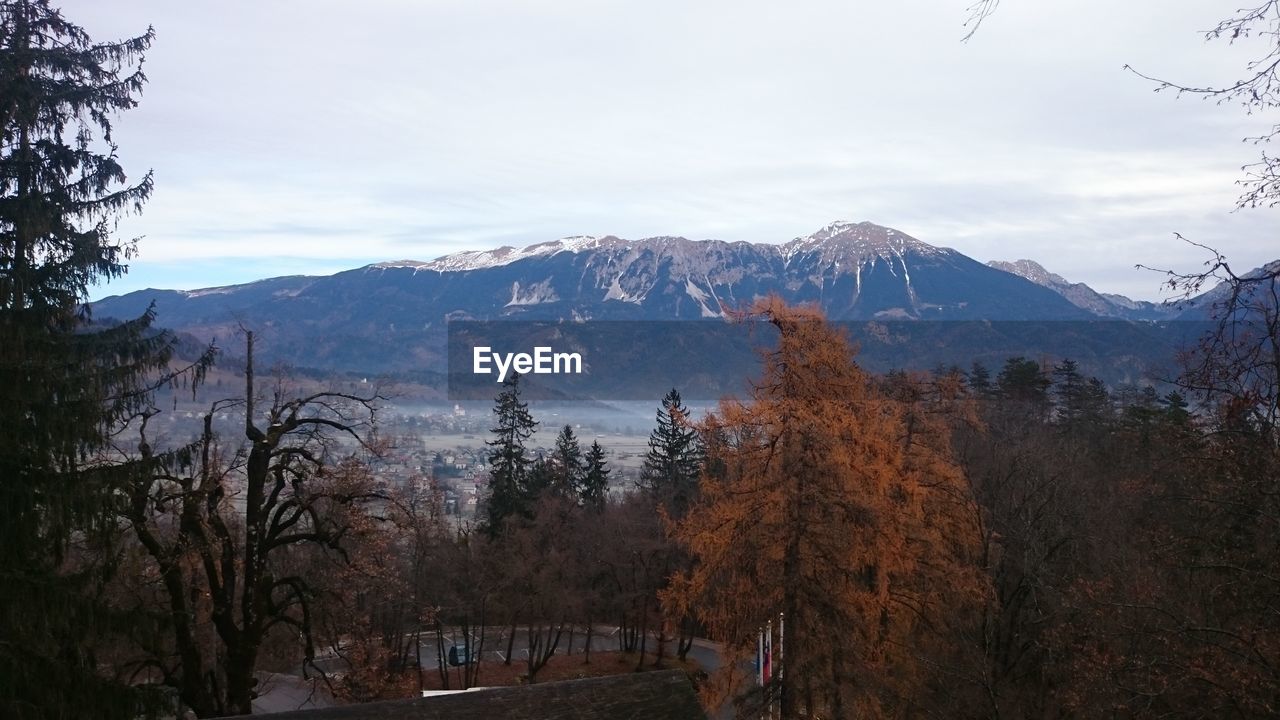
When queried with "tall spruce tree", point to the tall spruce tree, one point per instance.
{"points": [[509, 463], [674, 461], [1069, 390], [595, 481], [568, 467], [979, 378], [65, 386]]}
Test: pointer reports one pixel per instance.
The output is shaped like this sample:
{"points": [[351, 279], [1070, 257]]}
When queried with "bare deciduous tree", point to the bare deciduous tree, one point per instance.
{"points": [[219, 526]]}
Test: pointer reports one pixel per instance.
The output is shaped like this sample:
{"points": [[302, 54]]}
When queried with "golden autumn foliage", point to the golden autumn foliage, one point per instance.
{"points": [[832, 501]]}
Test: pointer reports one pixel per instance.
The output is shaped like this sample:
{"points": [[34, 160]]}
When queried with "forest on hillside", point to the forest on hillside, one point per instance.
{"points": [[1014, 541]]}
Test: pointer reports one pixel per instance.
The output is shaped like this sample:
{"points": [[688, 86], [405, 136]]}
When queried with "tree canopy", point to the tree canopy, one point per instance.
{"points": [[822, 502]]}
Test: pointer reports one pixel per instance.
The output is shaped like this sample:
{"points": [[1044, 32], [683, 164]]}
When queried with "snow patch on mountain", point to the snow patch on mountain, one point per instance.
{"points": [[209, 291], [535, 294], [412, 264], [616, 292], [701, 298], [290, 290], [505, 255]]}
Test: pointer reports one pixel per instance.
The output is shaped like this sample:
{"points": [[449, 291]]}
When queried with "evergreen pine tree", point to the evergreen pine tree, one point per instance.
{"points": [[674, 461], [1175, 410], [980, 378], [595, 481], [65, 386], [1069, 390], [540, 478], [568, 469], [1023, 381], [509, 465], [1139, 414], [1096, 404]]}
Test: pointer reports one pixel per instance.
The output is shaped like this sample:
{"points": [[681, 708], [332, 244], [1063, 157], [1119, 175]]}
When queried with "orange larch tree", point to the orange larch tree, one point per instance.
{"points": [[821, 501]]}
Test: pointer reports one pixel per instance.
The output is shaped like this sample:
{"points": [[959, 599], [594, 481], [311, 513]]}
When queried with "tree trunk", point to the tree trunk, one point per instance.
{"points": [[661, 651], [417, 651], [240, 679], [534, 638], [643, 630], [472, 675], [511, 643], [442, 662], [685, 642]]}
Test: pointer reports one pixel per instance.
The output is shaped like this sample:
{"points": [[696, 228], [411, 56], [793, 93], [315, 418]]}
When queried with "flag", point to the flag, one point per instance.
{"points": [[766, 668], [760, 658]]}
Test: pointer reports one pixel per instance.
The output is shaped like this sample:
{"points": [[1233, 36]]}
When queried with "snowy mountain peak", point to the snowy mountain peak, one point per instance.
{"points": [[848, 241], [1030, 270], [840, 242], [505, 255], [400, 264], [573, 243], [1081, 295]]}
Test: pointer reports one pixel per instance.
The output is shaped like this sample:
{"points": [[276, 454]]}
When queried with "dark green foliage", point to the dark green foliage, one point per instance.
{"points": [[567, 465], [979, 376], [1023, 380], [65, 387], [674, 461], [1069, 391], [1175, 409], [1083, 405], [595, 481], [509, 464], [1138, 412], [538, 480], [1096, 403]]}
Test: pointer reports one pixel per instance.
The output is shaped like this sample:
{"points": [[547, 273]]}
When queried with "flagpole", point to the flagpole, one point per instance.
{"points": [[768, 667], [782, 658]]}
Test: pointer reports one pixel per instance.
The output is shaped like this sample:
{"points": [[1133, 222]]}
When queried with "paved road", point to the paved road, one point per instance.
{"points": [[603, 639], [289, 692]]}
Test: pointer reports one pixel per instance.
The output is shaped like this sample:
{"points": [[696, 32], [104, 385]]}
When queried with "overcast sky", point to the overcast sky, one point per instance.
{"points": [[310, 136]]}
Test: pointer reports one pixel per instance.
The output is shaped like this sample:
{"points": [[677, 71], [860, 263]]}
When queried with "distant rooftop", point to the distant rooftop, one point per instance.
{"points": [[659, 695]]}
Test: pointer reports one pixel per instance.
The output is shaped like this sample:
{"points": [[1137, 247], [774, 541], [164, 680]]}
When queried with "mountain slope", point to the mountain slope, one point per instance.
{"points": [[1082, 296], [1257, 294]]}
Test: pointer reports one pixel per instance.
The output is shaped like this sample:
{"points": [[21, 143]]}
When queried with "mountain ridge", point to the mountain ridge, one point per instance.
{"points": [[391, 316], [1081, 295], [828, 266]]}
